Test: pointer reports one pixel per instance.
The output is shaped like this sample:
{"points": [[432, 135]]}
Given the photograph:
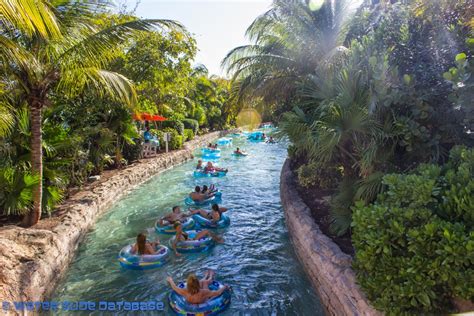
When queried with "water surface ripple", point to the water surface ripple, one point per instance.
{"points": [[257, 258]]}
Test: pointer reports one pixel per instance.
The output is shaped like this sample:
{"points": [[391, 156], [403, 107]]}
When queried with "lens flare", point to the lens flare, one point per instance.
{"points": [[248, 119], [315, 5]]}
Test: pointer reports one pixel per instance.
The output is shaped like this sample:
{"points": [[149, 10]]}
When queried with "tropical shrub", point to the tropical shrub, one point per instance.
{"points": [[188, 134], [292, 152], [131, 151], [312, 174], [176, 141], [16, 190], [191, 124], [175, 124], [80, 103], [415, 244], [340, 207], [200, 115]]}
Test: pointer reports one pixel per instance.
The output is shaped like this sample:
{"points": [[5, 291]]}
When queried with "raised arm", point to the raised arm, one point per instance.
{"points": [[212, 294], [175, 288]]}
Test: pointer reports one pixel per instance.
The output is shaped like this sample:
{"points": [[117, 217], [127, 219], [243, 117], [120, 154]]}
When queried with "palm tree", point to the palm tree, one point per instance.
{"points": [[41, 61], [292, 40], [341, 121], [31, 17]]}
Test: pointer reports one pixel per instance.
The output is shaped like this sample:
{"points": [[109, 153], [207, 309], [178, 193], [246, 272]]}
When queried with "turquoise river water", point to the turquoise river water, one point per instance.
{"points": [[257, 258]]}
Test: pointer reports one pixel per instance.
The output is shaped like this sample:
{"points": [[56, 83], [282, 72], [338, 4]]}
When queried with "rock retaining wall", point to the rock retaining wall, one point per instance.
{"points": [[33, 260], [328, 268]]}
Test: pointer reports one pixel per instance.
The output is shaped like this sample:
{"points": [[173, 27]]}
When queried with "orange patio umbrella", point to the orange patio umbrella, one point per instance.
{"points": [[158, 118]]}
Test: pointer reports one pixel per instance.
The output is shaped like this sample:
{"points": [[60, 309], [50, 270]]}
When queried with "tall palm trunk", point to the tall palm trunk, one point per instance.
{"points": [[34, 216]]}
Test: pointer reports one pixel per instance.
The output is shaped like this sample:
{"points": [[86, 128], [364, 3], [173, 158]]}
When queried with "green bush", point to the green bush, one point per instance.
{"points": [[175, 124], [188, 134], [16, 190], [176, 141], [415, 244], [292, 152], [200, 115], [191, 124], [312, 174], [158, 134], [131, 152]]}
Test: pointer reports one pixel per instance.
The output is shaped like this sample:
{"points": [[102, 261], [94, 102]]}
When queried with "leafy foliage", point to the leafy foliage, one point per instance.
{"points": [[191, 124], [291, 40], [375, 95], [312, 174], [373, 110], [415, 243], [188, 134], [16, 190], [175, 124], [176, 141]]}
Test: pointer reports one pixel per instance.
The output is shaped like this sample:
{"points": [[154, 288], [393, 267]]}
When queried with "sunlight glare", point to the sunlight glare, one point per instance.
{"points": [[315, 5], [248, 119]]}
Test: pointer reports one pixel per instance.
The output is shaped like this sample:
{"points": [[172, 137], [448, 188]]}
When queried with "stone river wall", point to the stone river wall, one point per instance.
{"points": [[328, 268], [33, 260]]}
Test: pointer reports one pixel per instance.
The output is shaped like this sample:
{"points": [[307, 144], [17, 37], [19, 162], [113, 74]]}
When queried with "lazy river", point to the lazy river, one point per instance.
{"points": [[257, 258]]}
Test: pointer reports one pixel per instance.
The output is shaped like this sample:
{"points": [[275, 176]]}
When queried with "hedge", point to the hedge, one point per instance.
{"points": [[175, 124], [188, 134], [176, 141], [131, 152], [191, 124], [415, 244]]}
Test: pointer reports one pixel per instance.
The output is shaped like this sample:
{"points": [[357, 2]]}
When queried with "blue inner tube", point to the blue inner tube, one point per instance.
{"points": [[189, 246], [256, 136], [240, 155], [201, 174], [206, 223], [210, 151], [224, 141], [143, 262], [213, 306], [217, 198], [169, 229]]}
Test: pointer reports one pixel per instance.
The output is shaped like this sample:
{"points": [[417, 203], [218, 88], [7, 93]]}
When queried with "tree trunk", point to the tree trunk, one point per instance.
{"points": [[34, 216]]}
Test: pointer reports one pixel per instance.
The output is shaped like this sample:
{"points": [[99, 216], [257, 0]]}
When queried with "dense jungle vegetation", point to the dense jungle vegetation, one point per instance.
{"points": [[377, 101]]}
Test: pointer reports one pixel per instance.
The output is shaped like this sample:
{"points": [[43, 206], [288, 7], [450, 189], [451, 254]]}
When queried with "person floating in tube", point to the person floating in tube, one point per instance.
{"points": [[199, 165], [271, 140], [183, 236], [197, 291], [212, 189], [214, 215], [144, 247], [176, 215], [240, 152], [200, 195], [210, 168]]}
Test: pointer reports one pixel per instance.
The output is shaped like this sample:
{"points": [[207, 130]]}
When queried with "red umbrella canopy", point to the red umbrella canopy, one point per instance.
{"points": [[159, 118], [147, 117]]}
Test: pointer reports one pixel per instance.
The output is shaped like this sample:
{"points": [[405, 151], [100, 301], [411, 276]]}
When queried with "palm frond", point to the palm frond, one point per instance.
{"points": [[17, 58], [341, 213], [74, 81], [369, 187], [6, 118], [97, 50], [30, 17]]}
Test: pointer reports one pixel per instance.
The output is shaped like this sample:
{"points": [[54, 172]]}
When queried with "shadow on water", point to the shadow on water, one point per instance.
{"points": [[257, 259]]}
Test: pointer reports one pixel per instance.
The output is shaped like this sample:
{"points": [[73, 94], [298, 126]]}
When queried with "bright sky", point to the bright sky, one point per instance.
{"points": [[217, 25]]}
